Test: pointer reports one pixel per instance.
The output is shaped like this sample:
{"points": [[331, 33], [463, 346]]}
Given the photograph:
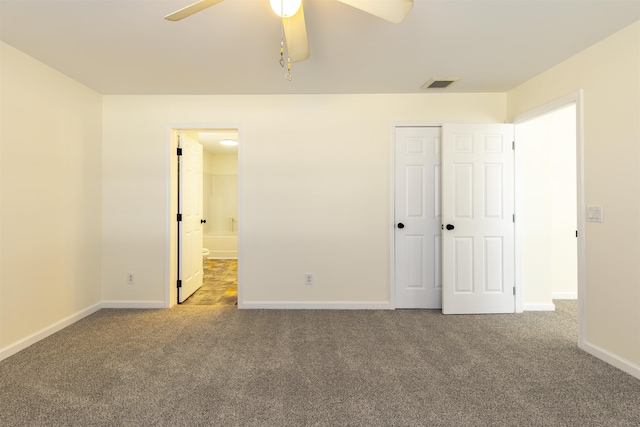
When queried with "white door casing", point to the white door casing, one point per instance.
{"points": [[478, 201], [190, 228], [417, 208]]}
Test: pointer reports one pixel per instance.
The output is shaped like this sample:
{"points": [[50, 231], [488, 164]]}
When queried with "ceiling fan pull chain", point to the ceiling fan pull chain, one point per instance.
{"points": [[282, 53], [288, 75]]}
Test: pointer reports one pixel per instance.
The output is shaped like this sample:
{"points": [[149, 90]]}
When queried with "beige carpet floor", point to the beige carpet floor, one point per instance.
{"points": [[220, 366]]}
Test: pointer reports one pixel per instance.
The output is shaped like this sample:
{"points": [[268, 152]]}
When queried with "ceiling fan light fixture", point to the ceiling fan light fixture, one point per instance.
{"points": [[285, 8]]}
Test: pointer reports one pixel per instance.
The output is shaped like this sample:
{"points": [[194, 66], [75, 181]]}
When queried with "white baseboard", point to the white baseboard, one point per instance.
{"points": [[321, 305], [133, 304], [612, 359], [539, 307], [49, 330], [564, 295]]}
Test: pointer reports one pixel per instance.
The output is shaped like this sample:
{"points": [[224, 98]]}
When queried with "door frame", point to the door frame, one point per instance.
{"points": [[577, 99], [171, 246]]}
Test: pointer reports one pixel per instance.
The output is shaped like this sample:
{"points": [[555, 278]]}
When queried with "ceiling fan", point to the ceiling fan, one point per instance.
{"points": [[292, 14]]}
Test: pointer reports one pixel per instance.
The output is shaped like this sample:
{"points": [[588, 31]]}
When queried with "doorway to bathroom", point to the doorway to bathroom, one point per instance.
{"points": [[207, 216]]}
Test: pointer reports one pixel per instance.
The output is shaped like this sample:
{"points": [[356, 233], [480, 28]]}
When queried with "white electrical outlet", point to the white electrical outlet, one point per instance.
{"points": [[308, 279], [131, 279]]}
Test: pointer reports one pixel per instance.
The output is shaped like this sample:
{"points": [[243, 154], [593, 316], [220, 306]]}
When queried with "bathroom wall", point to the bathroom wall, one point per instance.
{"points": [[221, 194], [207, 192], [224, 164]]}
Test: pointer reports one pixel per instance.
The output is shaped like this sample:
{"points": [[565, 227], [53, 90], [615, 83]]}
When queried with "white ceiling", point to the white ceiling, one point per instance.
{"points": [[126, 47], [210, 141]]}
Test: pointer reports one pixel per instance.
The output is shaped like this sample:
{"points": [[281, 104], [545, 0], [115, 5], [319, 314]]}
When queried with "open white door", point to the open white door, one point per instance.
{"points": [[190, 228], [477, 215], [417, 218]]}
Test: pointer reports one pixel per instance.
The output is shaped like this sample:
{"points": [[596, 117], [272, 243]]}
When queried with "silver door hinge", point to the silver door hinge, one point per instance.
{"points": [[514, 290], [514, 217], [513, 145]]}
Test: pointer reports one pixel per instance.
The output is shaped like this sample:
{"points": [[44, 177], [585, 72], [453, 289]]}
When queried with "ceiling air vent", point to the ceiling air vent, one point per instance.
{"points": [[439, 83]]}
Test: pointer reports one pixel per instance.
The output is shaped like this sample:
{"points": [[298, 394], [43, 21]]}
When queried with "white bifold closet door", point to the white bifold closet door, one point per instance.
{"points": [[417, 214]]}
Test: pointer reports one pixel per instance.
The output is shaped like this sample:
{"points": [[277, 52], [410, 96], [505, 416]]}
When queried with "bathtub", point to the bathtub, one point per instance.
{"points": [[221, 245]]}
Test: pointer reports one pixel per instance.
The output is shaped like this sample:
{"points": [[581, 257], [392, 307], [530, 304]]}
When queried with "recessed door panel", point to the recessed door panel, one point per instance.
{"points": [[415, 145], [463, 271], [463, 187], [463, 143], [415, 257], [493, 143], [437, 262], [415, 192], [493, 268], [436, 190], [493, 188]]}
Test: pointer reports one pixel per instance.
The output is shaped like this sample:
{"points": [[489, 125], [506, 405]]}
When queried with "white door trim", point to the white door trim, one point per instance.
{"points": [[171, 178], [577, 99]]}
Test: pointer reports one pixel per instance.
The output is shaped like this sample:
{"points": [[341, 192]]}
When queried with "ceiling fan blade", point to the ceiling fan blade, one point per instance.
{"points": [[295, 33], [185, 12], [389, 10]]}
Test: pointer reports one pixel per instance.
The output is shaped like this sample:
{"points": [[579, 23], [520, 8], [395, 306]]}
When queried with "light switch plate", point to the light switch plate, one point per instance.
{"points": [[595, 214]]}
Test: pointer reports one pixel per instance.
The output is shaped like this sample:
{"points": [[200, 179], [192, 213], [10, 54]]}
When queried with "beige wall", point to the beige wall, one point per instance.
{"points": [[223, 164], [219, 164], [316, 175], [609, 73], [221, 195], [50, 211], [206, 162]]}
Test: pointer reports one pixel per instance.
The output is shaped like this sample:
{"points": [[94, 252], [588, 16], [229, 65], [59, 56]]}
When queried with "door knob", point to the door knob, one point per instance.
{"points": [[450, 227], [400, 225], [202, 221]]}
